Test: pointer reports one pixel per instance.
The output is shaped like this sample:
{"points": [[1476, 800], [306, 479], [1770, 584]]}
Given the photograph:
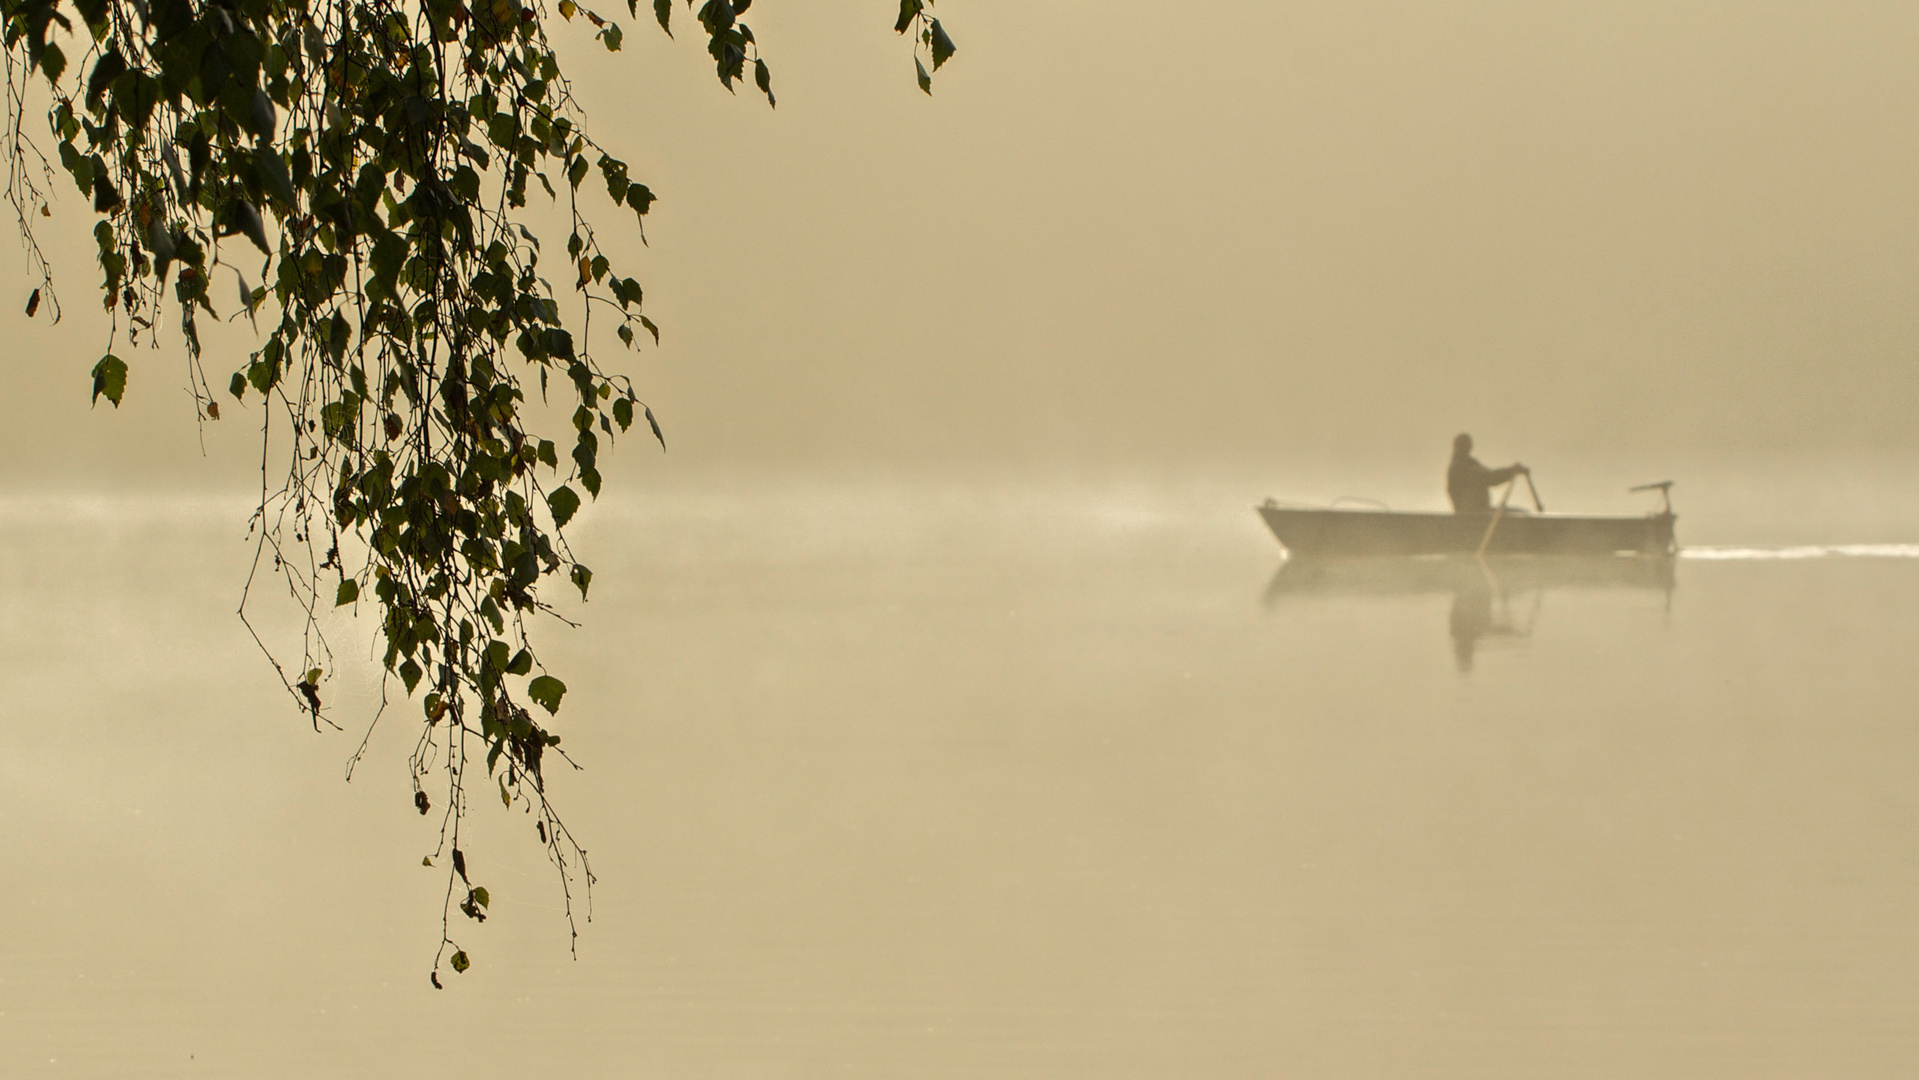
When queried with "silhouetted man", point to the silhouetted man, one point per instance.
{"points": [[1469, 483]]}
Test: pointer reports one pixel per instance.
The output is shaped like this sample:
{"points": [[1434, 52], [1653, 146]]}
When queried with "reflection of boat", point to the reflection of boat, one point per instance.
{"points": [[1482, 588], [1315, 531], [1303, 575]]}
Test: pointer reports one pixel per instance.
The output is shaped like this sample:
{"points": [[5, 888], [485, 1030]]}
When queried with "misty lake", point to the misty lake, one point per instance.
{"points": [[888, 779]]}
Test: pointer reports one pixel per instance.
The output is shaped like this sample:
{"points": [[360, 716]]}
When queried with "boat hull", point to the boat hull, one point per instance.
{"points": [[1387, 532]]}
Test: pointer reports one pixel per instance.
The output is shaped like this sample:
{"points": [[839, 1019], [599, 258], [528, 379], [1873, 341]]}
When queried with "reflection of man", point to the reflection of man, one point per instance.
{"points": [[1469, 483], [1471, 619]]}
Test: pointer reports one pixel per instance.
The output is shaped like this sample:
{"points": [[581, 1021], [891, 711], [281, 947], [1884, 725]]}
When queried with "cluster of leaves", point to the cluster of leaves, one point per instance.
{"points": [[368, 163]]}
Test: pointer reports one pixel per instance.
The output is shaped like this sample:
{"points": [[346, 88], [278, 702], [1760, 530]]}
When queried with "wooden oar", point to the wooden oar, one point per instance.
{"points": [[1494, 523]]}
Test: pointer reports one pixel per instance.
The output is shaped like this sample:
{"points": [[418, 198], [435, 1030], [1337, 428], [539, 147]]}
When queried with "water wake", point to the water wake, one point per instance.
{"points": [[1811, 551]]}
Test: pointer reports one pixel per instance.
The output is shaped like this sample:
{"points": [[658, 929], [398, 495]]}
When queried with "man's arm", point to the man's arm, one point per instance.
{"points": [[1496, 477]]}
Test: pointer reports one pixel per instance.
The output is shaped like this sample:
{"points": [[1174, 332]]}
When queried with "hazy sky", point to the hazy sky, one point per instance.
{"points": [[1121, 236]]}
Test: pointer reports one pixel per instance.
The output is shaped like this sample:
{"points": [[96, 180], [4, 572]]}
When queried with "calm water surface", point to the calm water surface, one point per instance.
{"points": [[891, 781]]}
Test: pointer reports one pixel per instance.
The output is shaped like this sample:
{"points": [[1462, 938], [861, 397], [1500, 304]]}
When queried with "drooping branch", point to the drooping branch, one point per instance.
{"points": [[360, 170]]}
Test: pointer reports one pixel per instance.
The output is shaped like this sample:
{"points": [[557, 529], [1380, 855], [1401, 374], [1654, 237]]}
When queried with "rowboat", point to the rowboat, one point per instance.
{"points": [[1317, 531]]}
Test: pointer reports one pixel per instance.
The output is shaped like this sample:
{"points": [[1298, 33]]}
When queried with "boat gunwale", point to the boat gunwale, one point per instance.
{"points": [[1510, 514]]}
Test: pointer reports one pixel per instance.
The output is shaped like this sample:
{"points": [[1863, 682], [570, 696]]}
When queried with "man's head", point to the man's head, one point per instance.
{"points": [[1462, 444]]}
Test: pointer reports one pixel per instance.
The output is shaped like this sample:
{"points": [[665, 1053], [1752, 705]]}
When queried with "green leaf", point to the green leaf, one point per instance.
{"points": [[81, 167], [548, 691], [623, 411], [501, 129], [106, 197], [274, 178], [237, 386], [460, 962], [943, 47], [95, 13], [549, 454], [663, 11], [245, 220], [480, 896], [109, 375], [616, 180], [52, 60], [410, 673], [349, 592], [260, 119], [763, 79], [627, 291], [582, 577], [564, 504], [339, 336], [522, 663], [105, 70], [655, 425], [466, 184], [611, 35], [926, 81], [389, 254], [909, 9]]}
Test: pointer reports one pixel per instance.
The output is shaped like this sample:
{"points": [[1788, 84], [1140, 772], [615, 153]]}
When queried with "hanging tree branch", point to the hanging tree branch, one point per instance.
{"points": [[367, 163]]}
